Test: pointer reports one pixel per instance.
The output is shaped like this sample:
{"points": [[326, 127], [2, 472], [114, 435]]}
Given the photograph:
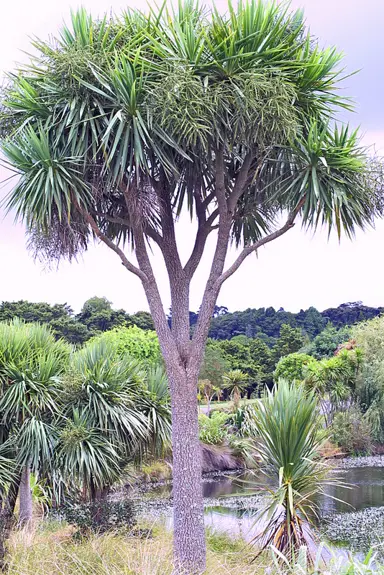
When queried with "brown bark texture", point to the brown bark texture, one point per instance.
{"points": [[25, 498], [8, 503], [188, 514]]}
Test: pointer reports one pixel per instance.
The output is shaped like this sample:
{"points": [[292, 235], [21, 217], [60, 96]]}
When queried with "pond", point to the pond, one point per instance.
{"points": [[352, 517]]}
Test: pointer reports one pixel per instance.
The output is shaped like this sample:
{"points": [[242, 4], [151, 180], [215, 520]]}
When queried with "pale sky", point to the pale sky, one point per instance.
{"points": [[297, 271]]}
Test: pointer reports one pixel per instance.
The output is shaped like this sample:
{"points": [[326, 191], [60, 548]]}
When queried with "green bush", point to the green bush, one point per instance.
{"points": [[99, 516], [213, 429], [137, 343], [292, 367], [243, 420], [156, 471], [352, 432]]}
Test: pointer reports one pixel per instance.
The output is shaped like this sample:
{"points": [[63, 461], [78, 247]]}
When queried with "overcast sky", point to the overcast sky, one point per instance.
{"points": [[297, 271]]}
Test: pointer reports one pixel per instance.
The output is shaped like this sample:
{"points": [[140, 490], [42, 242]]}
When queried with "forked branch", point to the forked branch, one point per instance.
{"points": [[108, 242], [289, 224]]}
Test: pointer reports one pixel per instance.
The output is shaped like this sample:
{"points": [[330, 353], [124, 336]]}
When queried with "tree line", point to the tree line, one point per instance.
{"points": [[252, 341], [97, 315], [266, 322]]}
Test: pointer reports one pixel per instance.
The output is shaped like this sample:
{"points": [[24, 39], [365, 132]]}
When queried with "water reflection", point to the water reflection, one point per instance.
{"points": [[366, 489]]}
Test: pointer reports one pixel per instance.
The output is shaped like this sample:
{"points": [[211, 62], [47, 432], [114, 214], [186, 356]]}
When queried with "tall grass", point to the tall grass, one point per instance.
{"points": [[49, 549], [52, 551]]}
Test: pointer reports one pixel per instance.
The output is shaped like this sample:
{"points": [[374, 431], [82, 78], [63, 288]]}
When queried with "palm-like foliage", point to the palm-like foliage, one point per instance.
{"points": [[105, 387], [31, 364], [86, 458], [114, 412], [7, 466], [156, 405], [334, 379], [155, 96], [101, 428], [291, 434], [235, 381]]}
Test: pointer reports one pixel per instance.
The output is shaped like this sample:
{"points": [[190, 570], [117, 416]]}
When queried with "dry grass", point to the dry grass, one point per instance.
{"points": [[52, 551]]}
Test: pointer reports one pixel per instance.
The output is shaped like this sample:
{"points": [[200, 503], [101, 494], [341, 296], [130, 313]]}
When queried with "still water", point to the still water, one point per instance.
{"points": [[364, 488], [365, 491]]}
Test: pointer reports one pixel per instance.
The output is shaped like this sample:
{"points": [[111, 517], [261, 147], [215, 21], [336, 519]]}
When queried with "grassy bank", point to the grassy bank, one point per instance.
{"points": [[50, 550], [223, 405]]}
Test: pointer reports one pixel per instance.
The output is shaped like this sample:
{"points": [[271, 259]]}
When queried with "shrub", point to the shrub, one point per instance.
{"points": [[213, 429], [292, 367], [156, 471], [244, 421], [99, 516], [137, 343], [352, 432], [291, 433]]}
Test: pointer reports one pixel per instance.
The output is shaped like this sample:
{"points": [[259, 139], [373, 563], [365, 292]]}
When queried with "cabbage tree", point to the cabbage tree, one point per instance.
{"points": [[291, 434], [120, 125], [112, 411], [31, 365]]}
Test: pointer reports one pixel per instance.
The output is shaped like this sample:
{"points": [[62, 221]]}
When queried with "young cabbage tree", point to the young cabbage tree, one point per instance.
{"points": [[120, 125], [113, 410], [291, 433], [31, 365], [235, 381]]}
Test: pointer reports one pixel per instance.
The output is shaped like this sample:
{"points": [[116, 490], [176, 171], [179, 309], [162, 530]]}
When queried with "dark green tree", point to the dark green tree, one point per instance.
{"points": [[350, 313], [326, 343], [292, 367], [311, 321], [59, 317], [143, 320], [40, 312], [291, 340], [97, 315], [251, 356]]}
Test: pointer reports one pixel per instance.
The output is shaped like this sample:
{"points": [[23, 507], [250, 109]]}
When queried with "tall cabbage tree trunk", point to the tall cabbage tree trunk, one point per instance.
{"points": [[188, 516], [25, 498], [8, 503]]}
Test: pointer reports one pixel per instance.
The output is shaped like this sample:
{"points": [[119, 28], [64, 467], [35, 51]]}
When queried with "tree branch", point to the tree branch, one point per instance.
{"points": [[178, 280], [167, 342], [211, 290], [150, 232], [289, 224], [240, 183], [102, 237], [112, 219], [205, 227], [220, 189]]}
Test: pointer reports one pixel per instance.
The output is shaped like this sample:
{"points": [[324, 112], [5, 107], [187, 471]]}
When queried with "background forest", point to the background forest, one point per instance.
{"points": [[252, 340]]}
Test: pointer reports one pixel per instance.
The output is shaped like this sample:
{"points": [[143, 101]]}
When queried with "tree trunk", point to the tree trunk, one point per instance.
{"points": [[188, 511], [25, 498], [6, 519]]}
